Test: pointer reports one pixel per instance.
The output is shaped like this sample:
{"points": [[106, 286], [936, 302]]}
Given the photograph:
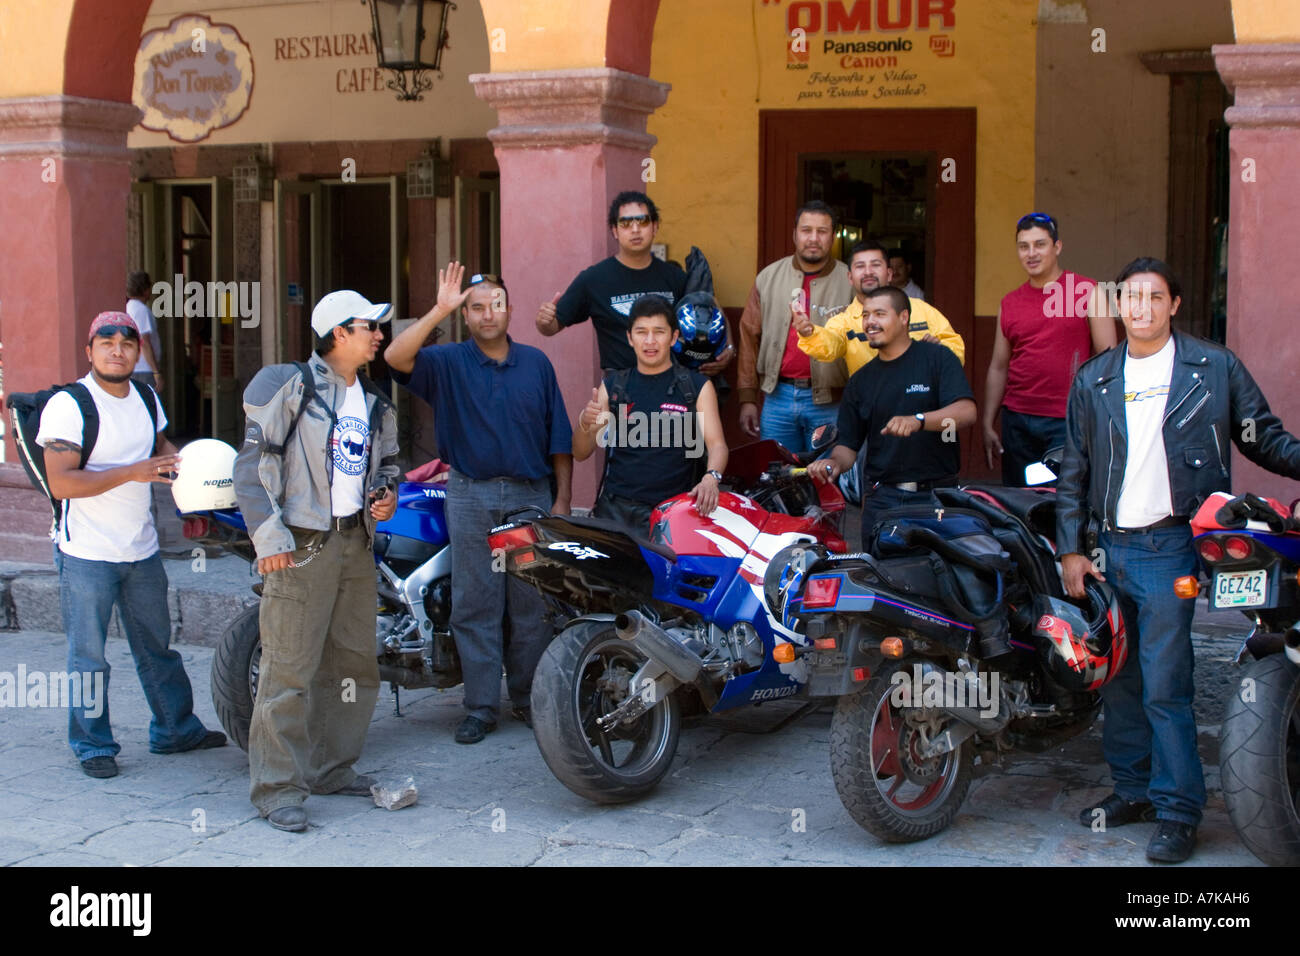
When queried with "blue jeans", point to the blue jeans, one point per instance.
{"points": [[790, 417], [482, 597], [1149, 734], [1025, 439], [88, 590]]}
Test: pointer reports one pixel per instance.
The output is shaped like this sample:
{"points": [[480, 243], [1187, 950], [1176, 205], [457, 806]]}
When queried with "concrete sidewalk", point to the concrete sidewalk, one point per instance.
{"points": [[733, 796]]}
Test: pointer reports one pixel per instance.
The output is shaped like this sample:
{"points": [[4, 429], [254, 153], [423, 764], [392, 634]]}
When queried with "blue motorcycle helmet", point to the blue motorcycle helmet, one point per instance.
{"points": [[702, 330]]}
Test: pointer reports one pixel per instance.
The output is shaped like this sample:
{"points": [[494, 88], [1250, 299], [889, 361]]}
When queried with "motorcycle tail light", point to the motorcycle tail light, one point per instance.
{"points": [[824, 643], [1238, 549], [821, 592], [512, 538], [860, 674], [1210, 550], [525, 557], [1187, 586]]}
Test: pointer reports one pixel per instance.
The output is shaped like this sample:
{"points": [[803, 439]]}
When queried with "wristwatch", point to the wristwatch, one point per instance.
{"points": [[920, 417], [717, 475]]}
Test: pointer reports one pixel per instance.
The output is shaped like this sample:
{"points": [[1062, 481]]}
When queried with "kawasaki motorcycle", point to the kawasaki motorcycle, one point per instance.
{"points": [[952, 639], [669, 624], [1250, 552], [413, 641]]}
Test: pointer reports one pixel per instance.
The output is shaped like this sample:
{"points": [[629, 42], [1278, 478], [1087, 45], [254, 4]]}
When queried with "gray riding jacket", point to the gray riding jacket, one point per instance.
{"points": [[278, 486]]}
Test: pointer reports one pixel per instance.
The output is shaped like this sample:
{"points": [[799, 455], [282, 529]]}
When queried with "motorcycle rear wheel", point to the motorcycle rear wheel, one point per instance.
{"points": [[571, 688], [235, 667], [889, 791], [1259, 760]]}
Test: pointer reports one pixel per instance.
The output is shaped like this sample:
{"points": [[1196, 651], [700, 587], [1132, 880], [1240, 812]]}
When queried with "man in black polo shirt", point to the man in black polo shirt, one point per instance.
{"points": [[605, 292], [907, 405], [656, 421], [501, 425]]}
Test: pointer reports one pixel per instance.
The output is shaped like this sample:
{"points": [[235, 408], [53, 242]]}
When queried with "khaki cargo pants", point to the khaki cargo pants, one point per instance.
{"points": [[319, 679]]}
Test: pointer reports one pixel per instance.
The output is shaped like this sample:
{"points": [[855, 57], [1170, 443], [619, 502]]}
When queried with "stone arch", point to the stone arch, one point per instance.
{"points": [[99, 54], [629, 35]]}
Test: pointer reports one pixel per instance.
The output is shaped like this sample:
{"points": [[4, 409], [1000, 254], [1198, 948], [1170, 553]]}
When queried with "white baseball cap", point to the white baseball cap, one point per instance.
{"points": [[344, 305]]}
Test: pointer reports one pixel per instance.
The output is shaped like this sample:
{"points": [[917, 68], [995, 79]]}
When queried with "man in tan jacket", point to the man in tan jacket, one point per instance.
{"points": [[800, 395]]}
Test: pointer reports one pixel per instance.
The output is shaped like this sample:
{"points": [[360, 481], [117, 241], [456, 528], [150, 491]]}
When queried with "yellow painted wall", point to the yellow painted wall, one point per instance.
{"points": [[32, 38], [299, 95], [547, 34], [1266, 21], [726, 60], [1103, 123]]}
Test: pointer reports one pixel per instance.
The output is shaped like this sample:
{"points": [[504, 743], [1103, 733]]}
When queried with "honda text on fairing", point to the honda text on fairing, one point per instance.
{"points": [[1250, 550], [669, 623], [413, 641], [953, 638]]}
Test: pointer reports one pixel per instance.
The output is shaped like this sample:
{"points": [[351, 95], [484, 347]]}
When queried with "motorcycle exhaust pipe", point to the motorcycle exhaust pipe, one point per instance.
{"points": [[972, 716], [682, 663], [1291, 645]]}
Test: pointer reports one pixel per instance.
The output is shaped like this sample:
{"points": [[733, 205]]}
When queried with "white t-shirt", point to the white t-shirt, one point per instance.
{"points": [[1145, 498], [144, 319], [350, 453], [115, 525]]}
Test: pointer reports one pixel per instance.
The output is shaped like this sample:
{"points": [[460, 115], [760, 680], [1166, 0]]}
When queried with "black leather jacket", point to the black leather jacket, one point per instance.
{"points": [[1212, 398]]}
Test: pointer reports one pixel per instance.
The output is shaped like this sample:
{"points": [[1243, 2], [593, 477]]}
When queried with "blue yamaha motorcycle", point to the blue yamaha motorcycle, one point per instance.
{"points": [[413, 640]]}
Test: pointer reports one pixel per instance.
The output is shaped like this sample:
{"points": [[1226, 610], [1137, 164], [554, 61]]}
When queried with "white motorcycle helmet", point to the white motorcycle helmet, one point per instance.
{"points": [[205, 477]]}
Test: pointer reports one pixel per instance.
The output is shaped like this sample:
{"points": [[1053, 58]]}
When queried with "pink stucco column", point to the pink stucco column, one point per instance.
{"points": [[567, 143], [1263, 282], [64, 182]]}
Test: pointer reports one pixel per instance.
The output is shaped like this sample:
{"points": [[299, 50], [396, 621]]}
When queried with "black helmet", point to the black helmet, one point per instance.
{"points": [[1082, 644]]}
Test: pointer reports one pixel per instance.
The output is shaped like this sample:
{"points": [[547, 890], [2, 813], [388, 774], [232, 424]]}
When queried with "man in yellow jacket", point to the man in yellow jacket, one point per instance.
{"points": [[842, 336]]}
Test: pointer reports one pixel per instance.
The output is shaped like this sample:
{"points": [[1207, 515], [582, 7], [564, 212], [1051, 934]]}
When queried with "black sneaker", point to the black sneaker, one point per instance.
{"points": [[211, 739], [1172, 842], [101, 767], [1116, 811], [523, 714], [472, 730]]}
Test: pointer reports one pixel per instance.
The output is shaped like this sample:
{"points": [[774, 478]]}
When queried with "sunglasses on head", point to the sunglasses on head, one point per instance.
{"points": [[478, 277], [1037, 219], [626, 222], [108, 331], [370, 325]]}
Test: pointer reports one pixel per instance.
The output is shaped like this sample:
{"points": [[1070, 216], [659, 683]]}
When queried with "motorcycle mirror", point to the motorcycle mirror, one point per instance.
{"points": [[1053, 457], [1039, 473], [824, 436]]}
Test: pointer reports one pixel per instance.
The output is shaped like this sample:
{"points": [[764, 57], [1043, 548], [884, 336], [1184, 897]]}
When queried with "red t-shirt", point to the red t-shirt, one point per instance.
{"points": [[795, 362], [1048, 332]]}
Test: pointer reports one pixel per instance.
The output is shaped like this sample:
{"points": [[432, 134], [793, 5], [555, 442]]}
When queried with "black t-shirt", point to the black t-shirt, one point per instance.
{"points": [[605, 293], [924, 378], [654, 447]]}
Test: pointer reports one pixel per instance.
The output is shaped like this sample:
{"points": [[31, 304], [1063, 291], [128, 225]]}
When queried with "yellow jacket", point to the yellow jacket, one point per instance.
{"points": [[830, 341]]}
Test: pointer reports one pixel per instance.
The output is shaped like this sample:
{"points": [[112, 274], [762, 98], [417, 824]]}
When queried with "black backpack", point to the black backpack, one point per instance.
{"points": [[25, 410]]}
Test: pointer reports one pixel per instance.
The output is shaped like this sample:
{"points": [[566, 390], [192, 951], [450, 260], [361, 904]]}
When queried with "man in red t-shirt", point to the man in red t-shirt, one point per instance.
{"points": [[1046, 330]]}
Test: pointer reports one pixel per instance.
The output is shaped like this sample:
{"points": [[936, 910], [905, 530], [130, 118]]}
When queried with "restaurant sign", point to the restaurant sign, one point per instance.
{"points": [[192, 76]]}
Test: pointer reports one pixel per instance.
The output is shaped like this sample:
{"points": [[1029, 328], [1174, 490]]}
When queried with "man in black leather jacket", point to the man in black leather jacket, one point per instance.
{"points": [[1147, 432]]}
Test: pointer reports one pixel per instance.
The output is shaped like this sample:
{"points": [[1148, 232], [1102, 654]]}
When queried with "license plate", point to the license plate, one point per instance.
{"points": [[1240, 588]]}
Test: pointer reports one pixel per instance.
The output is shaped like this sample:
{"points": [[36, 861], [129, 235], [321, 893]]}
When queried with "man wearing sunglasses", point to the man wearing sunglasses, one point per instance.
{"points": [[317, 470], [605, 292], [1047, 328], [107, 547], [501, 425]]}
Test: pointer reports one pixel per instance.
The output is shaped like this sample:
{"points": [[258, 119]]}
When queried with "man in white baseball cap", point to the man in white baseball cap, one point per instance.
{"points": [[311, 485]]}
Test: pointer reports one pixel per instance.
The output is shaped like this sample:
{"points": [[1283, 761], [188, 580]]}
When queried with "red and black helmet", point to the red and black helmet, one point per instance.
{"points": [[1083, 644]]}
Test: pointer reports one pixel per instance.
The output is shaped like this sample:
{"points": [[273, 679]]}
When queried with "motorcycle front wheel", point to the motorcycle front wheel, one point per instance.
{"points": [[585, 673], [880, 777], [1259, 759], [235, 667]]}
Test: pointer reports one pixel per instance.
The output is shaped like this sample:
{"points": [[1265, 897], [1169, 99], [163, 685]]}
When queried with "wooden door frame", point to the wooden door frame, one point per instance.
{"points": [[948, 133]]}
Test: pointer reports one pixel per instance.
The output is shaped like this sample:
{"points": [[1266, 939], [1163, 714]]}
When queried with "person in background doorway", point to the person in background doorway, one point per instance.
{"points": [[148, 370], [900, 264]]}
